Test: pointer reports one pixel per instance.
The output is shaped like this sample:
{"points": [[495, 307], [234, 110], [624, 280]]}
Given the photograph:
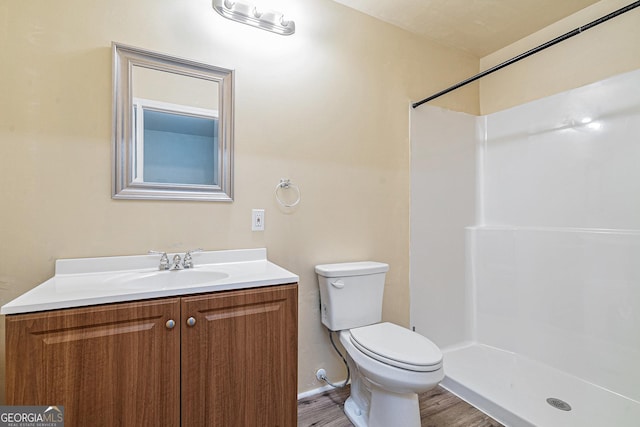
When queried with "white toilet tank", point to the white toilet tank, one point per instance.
{"points": [[351, 293]]}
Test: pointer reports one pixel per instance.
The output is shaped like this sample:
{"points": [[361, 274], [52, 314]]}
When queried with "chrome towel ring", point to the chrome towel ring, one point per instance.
{"points": [[286, 184]]}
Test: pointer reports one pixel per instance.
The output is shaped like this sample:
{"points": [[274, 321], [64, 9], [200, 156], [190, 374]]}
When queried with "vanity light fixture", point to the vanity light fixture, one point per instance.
{"points": [[248, 14]]}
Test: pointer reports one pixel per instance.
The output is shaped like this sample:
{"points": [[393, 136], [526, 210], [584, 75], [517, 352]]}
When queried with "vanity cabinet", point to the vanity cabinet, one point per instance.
{"points": [[229, 359], [240, 358]]}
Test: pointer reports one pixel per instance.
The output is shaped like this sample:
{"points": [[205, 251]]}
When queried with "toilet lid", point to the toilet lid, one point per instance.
{"points": [[397, 346]]}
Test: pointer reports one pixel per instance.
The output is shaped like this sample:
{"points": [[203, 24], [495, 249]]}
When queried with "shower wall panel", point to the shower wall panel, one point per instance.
{"points": [[443, 194]]}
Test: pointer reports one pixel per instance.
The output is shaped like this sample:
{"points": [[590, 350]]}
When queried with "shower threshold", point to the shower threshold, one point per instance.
{"points": [[514, 390]]}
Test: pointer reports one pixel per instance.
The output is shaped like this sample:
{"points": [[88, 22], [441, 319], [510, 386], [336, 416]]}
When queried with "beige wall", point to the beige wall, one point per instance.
{"points": [[326, 107], [610, 48]]}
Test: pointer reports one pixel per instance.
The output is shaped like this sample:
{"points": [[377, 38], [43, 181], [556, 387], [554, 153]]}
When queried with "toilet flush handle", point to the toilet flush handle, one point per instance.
{"points": [[338, 284]]}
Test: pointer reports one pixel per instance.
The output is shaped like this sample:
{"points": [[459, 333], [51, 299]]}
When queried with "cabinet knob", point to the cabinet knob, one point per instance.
{"points": [[191, 321], [170, 324]]}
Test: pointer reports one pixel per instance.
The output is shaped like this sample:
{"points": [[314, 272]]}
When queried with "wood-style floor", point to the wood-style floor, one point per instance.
{"points": [[438, 408]]}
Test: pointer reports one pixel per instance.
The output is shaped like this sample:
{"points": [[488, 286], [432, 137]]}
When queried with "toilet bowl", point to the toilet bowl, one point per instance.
{"points": [[389, 364], [387, 372]]}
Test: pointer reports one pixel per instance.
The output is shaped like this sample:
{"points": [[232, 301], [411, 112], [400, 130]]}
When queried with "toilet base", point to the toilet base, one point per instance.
{"points": [[357, 417], [386, 410]]}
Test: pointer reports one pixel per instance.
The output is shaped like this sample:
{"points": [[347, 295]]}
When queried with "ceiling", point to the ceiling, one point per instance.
{"points": [[476, 26]]}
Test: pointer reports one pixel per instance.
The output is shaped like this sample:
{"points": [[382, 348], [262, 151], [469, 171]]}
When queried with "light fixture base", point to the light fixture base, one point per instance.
{"points": [[248, 14]]}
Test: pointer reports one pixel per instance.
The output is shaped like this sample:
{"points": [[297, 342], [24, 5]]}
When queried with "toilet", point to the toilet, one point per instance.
{"points": [[389, 364]]}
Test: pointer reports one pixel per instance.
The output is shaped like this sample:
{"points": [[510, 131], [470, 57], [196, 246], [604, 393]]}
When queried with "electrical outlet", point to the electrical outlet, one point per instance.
{"points": [[257, 220]]}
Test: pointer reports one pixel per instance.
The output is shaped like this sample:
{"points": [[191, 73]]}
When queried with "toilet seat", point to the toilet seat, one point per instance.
{"points": [[397, 346]]}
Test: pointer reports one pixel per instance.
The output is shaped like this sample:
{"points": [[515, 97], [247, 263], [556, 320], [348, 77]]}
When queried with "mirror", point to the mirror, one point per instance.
{"points": [[173, 128]]}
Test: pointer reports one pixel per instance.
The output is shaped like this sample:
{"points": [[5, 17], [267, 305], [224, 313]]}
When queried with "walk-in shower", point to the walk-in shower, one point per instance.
{"points": [[525, 254]]}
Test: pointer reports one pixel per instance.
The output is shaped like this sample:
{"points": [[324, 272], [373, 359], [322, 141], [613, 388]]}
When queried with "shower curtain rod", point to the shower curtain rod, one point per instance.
{"points": [[543, 46]]}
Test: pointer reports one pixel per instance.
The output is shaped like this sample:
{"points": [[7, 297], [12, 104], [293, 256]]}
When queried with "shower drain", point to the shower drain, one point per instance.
{"points": [[559, 404]]}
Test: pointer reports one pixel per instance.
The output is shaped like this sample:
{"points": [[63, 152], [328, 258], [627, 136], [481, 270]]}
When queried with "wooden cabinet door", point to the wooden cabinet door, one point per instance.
{"points": [[110, 365], [239, 359]]}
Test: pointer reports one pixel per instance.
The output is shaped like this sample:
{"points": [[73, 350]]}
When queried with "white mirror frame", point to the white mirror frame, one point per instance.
{"points": [[124, 185]]}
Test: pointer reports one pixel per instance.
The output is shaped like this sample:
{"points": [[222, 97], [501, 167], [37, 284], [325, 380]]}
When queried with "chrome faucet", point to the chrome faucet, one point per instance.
{"points": [[164, 260], [187, 261], [176, 263]]}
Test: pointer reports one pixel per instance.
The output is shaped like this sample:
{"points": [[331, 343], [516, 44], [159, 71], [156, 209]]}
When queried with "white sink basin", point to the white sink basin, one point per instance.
{"points": [[91, 281], [167, 279]]}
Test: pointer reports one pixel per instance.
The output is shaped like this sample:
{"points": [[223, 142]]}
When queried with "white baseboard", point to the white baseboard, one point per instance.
{"points": [[314, 391]]}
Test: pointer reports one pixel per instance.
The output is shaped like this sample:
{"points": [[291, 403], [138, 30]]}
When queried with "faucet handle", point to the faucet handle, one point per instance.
{"points": [[187, 261], [164, 259]]}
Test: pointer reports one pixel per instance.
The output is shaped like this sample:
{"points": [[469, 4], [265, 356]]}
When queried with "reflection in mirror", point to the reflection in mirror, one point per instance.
{"points": [[174, 145], [173, 128]]}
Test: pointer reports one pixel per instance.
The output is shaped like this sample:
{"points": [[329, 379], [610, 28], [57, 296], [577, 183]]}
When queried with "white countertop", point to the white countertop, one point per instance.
{"points": [[91, 281]]}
